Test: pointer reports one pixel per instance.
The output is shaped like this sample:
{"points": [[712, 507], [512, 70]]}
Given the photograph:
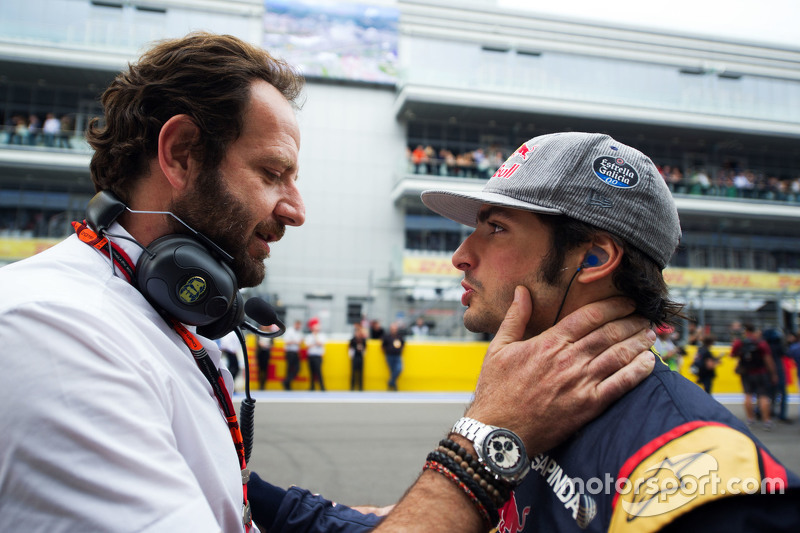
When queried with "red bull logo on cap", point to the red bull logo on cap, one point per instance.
{"points": [[523, 151], [506, 171]]}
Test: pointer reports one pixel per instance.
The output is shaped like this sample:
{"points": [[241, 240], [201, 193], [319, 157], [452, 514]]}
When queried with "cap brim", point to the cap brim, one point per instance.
{"points": [[463, 206]]}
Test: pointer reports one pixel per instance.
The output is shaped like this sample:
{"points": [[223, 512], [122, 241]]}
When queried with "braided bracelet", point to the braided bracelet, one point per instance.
{"points": [[497, 493], [468, 480], [496, 488], [438, 467]]}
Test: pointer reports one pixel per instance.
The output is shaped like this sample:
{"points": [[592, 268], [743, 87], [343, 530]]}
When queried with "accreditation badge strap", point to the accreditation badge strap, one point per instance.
{"points": [[201, 357]]}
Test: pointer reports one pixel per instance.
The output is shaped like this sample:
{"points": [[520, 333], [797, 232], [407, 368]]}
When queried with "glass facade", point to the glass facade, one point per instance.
{"points": [[114, 25], [712, 91]]}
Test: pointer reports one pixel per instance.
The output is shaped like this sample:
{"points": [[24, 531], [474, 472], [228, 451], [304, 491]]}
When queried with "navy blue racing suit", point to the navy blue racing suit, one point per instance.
{"points": [[296, 510], [662, 451]]}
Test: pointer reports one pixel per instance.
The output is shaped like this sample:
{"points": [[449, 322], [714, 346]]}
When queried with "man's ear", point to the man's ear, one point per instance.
{"points": [[600, 259], [175, 158]]}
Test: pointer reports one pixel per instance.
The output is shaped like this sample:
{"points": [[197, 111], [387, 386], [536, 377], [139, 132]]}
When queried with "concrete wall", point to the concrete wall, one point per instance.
{"points": [[350, 148]]}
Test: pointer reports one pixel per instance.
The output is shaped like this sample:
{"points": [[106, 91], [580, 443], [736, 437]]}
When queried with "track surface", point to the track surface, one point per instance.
{"points": [[368, 448]]}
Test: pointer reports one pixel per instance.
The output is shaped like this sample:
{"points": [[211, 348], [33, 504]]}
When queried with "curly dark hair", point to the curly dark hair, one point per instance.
{"points": [[638, 276], [203, 75]]}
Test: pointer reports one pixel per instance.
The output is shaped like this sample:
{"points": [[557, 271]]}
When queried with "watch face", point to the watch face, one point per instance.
{"points": [[504, 453]]}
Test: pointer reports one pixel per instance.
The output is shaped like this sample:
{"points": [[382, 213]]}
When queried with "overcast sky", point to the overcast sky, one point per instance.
{"points": [[763, 21]]}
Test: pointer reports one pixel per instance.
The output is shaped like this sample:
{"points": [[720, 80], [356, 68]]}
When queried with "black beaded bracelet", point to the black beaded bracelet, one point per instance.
{"points": [[477, 490], [474, 469], [497, 488]]}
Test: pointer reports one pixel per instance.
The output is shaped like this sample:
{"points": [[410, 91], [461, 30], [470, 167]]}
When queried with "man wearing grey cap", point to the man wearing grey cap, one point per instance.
{"points": [[576, 218]]}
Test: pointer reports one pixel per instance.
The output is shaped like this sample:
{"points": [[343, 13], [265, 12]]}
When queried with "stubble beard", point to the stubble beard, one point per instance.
{"points": [[486, 316], [214, 211]]}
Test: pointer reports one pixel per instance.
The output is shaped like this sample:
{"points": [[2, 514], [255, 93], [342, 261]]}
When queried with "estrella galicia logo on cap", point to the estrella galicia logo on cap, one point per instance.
{"points": [[616, 172], [192, 290]]}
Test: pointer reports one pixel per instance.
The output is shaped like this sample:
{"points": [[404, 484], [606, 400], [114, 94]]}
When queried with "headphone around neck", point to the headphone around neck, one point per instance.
{"points": [[186, 277], [189, 278]]}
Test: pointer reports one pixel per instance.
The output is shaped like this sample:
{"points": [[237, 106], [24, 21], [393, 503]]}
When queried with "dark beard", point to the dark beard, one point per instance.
{"points": [[212, 210]]}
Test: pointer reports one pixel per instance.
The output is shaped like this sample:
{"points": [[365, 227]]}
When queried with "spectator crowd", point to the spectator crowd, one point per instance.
{"points": [[480, 163], [52, 132]]}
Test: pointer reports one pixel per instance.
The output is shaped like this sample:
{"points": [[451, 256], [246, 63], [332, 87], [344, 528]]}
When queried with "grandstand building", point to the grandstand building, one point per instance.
{"points": [[409, 94]]}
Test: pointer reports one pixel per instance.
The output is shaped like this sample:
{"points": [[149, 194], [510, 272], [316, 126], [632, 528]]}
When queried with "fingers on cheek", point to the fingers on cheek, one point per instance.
{"points": [[524, 356], [605, 338], [590, 315], [619, 330], [626, 327], [591, 345], [610, 361]]}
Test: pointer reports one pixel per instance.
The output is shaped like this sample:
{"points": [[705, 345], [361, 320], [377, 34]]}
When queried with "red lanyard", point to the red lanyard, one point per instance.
{"points": [[201, 357]]}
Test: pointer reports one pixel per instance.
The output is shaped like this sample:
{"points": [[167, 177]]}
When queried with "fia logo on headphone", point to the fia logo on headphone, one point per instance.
{"points": [[192, 290]]}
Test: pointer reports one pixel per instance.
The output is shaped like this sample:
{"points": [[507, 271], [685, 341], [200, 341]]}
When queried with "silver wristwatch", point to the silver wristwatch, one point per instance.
{"points": [[499, 450]]}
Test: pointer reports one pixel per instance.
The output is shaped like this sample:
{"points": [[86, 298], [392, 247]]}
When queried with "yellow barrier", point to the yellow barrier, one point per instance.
{"points": [[430, 366], [427, 366], [727, 380], [16, 249]]}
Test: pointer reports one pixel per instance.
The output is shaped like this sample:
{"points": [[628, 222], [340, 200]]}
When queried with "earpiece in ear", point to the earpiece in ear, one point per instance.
{"points": [[594, 257]]}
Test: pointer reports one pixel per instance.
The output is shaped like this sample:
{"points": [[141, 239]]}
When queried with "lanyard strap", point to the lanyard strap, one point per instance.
{"points": [[213, 376], [118, 255], [201, 357]]}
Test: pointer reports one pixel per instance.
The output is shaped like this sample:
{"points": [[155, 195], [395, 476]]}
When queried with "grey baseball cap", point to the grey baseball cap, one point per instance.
{"points": [[586, 176]]}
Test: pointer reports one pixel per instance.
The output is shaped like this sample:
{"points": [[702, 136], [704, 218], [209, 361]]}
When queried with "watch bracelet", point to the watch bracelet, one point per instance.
{"points": [[498, 489], [481, 495], [470, 432]]}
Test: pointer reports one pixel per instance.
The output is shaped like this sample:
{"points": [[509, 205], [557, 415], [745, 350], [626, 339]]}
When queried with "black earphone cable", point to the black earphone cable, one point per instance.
{"points": [[564, 299], [131, 239]]}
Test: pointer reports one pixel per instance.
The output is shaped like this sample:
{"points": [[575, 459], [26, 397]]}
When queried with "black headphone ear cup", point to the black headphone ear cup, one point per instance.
{"points": [[103, 209], [178, 275], [224, 325]]}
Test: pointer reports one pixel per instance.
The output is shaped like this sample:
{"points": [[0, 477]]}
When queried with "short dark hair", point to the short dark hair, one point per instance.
{"points": [[203, 75], [638, 276]]}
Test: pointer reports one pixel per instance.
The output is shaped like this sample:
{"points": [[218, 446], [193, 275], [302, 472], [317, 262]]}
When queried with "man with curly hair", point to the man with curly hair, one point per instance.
{"points": [[117, 415]]}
